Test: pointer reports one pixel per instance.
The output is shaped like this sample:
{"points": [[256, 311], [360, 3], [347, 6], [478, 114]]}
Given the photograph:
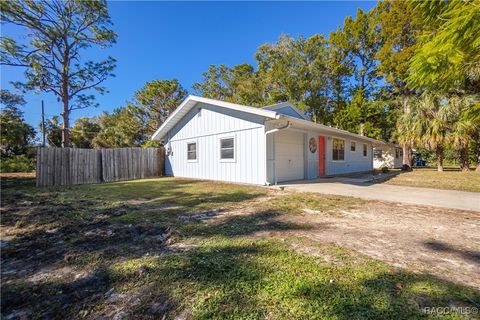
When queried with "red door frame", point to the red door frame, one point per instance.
{"points": [[321, 156]]}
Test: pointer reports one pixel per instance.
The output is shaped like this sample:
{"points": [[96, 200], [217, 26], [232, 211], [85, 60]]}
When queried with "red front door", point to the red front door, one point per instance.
{"points": [[321, 156]]}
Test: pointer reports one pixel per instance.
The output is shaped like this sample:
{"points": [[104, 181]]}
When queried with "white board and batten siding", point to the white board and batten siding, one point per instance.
{"points": [[387, 156], [354, 161], [206, 125], [289, 155]]}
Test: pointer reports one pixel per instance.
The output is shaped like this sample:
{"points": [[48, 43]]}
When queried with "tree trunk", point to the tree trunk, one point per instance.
{"points": [[407, 148], [439, 153], [478, 157], [464, 165], [65, 124]]}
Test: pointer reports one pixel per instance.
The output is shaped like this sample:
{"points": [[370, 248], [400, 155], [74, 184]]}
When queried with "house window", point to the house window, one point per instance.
{"points": [[227, 149], [338, 150], [365, 150], [192, 151], [377, 154], [397, 153], [352, 146]]}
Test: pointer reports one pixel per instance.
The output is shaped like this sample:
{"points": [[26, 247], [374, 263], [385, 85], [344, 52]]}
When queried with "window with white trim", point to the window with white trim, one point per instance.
{"points": [[352, 146], [227, 148], [191, 151], [338, 150], [365, 150]]}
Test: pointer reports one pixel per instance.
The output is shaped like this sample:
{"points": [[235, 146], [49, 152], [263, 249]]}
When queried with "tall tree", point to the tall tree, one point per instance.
{"points": [[240, 84], [119, 129], [57, 32], [215, 83], [339, 70], [295, 70], [53, 131], [9, 99], [399, 26], [16, 135], [427, 125], [84, 132], [465, 126], [156, 100], [359, 40], [449, 56]]}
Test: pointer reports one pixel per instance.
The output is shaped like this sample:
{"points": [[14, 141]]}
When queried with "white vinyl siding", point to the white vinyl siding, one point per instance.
{"points": [[249, 165]]}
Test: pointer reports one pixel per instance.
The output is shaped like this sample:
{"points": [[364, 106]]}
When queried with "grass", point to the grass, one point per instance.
{"points": [[94, 251], [450, 179]]}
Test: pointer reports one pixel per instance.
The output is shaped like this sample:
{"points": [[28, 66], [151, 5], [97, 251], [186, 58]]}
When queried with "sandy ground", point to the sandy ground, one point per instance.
{"points": [[438, 241], [443, 242]]}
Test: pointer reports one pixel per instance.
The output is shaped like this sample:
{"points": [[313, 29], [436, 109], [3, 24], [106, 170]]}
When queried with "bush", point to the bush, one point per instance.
{"points": [[20, 163], [384, 169], [152, 144]]}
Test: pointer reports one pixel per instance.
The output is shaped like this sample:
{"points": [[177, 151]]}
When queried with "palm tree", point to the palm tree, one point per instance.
{"points": [[464, 116], [426, 125]]}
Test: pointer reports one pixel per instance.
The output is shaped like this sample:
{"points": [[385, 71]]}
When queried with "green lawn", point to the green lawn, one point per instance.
{"points": [[151, 248], [450, 179]]}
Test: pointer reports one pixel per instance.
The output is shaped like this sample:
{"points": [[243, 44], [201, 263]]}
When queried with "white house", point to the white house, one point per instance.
{"points": [[387, 155], [217, 140]]}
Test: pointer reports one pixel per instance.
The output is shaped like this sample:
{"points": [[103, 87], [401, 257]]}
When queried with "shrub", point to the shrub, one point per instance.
{"points": [[152, 144], [18, 163], [384, 169]]}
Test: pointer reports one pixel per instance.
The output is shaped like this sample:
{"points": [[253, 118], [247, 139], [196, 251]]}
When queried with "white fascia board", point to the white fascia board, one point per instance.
{"points": [[332, 131], [191, 101]]}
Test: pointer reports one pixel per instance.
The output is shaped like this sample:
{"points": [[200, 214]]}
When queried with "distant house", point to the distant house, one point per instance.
{"points": [[387, 155], [217, 140]]}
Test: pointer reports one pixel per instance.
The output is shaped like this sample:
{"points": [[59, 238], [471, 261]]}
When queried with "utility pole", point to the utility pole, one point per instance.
{"points": [[43, 125]]}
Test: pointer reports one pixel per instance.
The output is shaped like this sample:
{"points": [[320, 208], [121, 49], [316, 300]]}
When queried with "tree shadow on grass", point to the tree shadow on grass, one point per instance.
{"points": [[228, 277], [38, 251], [242, 278], [245, 225], [392, 295], [467, 255]]}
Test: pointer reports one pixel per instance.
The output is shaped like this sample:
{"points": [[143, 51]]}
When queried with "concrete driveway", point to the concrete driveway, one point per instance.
{"points": [[356, 187]]}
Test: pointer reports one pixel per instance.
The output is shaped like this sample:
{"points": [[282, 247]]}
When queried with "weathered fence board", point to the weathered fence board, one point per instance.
{"points": [[69, 166]]}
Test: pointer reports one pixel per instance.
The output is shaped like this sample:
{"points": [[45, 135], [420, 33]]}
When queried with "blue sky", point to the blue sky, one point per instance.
{"points": [[165, 40]]}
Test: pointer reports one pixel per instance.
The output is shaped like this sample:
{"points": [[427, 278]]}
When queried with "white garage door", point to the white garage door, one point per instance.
{"points": [[289, 155]]}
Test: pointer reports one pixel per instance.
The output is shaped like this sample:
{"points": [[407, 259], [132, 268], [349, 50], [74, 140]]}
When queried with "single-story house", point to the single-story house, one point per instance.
{"points": [[217, 140], [387, 155]]}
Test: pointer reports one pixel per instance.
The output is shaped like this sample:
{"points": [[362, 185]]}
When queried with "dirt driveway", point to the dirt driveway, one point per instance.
{"points": [[439, 241]]}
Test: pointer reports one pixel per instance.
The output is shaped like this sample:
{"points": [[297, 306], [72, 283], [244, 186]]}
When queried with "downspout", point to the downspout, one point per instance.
{"points": [[288, 125]]}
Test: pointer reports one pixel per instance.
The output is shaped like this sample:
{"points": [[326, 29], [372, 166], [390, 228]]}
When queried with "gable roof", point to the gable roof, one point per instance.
{"points": [[280, 105], [191, 101], [267, 112]]}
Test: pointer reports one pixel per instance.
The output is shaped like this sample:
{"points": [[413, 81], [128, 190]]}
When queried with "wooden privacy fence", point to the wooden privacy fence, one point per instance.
{"points": [[68, 166]]}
